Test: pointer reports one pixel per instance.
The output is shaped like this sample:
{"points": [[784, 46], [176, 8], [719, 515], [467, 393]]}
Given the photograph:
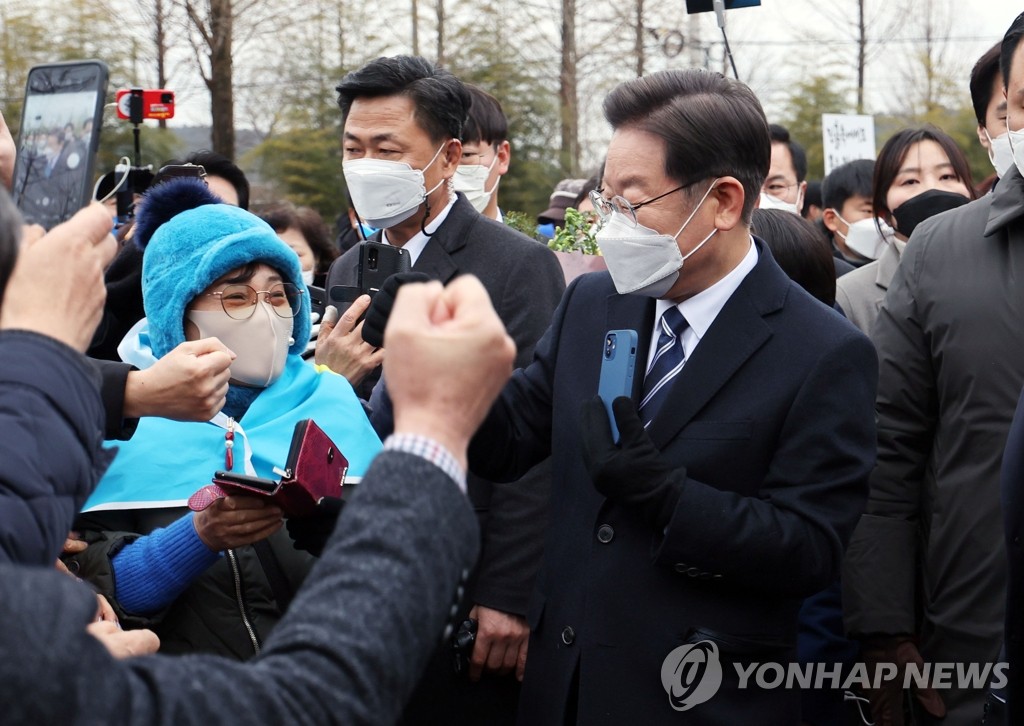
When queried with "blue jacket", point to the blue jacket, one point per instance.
{"points": [[52, 420]]}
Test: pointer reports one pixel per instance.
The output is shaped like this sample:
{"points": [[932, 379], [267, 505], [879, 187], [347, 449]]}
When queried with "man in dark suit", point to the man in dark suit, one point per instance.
{"points": [[403, 124], [737, 479]]}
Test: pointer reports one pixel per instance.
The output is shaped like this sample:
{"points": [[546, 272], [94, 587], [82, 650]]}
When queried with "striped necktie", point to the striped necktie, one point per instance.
{"points": [[668, 361]]}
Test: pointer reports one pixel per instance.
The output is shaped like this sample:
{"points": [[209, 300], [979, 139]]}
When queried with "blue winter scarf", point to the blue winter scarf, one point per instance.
{"points": [[166, 461]]}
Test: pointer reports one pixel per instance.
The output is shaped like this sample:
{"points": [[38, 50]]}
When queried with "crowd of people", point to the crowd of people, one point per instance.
{"points": [[819, 460]]}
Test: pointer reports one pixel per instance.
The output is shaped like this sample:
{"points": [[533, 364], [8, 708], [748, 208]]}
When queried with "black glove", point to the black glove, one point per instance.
{"points": [[377, 314], [631, 472], [311, 533]]}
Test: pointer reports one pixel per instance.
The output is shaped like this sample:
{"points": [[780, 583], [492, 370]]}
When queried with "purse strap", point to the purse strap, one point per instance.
{"points": [[283, 592]]}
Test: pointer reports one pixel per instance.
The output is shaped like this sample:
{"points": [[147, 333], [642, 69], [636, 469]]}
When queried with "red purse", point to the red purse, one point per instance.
{"points": [[315, 469]]}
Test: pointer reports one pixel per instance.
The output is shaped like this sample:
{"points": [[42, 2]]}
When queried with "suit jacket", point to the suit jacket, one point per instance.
{"points": [[860, 292], [927, 557], [349, 650], [525, 283], [776, 458]]}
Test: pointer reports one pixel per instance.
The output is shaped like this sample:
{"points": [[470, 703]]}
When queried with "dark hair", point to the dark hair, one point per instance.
{"points": [[220, 165], [310, 224], [982, 75], [849, 180], [712, 127], [801, 251], [1009, 46], [10, 237], [780, 135], [591, 184], [891, 157], [486, 121], [812, 197], [441, 100]]}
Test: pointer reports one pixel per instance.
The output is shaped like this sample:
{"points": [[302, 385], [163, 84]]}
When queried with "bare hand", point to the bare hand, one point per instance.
{"points": [[124, 643], [236, 521], [448, 358], [501, 641], [340, 345], [72, 546], [8, 150], [188, 384], [104, 613], [56, 288]]}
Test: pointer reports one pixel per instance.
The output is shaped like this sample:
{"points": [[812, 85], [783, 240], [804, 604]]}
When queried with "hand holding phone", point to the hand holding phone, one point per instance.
{"points": [[618, 363]]}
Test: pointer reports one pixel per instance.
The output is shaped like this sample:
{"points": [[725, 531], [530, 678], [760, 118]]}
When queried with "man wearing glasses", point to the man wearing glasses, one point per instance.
{"points": [[785, 186], [742, 456]]}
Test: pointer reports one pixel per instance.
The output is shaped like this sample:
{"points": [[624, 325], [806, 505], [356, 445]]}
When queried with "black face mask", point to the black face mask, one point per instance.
{"points": [[912, 212]]}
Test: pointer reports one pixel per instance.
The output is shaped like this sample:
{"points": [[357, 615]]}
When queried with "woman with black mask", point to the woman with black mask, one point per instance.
{"points": [[919, 173]]}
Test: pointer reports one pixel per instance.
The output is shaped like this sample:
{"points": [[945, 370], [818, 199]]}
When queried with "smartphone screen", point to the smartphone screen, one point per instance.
{"points": [[59, 134], [618, 362]]}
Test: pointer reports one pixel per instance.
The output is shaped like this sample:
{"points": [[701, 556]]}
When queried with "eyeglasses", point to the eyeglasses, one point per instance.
{"points": [[604, 207], [239, 301], [778, 189]]}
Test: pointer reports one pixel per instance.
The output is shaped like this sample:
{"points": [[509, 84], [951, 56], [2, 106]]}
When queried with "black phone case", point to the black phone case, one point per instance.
{"points": [[378, 262], [70, 197]]}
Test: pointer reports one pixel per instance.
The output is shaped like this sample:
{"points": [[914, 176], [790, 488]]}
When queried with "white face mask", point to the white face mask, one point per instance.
{"points": [[1016, 141], [1000, 153], [864, 238], [770, 202], [386, 193], [307, 277], [471, 180], [641, 260], [260, 342]]}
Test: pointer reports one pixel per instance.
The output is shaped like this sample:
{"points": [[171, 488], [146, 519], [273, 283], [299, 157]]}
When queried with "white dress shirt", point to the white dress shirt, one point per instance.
{"points": [[701, 310], [418, 242]]}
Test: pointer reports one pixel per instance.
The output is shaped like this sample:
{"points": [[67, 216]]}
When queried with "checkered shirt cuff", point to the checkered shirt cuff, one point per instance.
{"points": [[430, 450]]}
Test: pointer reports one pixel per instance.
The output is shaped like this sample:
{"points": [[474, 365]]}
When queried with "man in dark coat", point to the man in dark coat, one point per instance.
{"points": [[926, 569], [403, 120], [736, 481]]}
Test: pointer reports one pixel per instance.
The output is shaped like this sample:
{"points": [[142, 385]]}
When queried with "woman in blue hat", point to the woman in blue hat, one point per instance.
{"points": [[217, 580]]}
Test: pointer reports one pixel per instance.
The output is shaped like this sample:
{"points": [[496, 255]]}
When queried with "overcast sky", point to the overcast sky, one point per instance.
{"points": [[775, 46]]}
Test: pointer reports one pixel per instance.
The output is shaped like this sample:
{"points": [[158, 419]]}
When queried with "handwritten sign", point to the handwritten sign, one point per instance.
{"points": [[847, 137]]}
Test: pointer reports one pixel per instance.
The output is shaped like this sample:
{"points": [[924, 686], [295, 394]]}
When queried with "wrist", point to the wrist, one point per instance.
{"points": [[433, 451], [438, 430], [135, 395]]}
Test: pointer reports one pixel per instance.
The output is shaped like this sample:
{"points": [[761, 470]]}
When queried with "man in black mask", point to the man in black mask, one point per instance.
{"points": [[951, 353]]}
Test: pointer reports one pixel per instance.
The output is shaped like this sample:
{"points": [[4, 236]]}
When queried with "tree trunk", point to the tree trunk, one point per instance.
{"points": [[222, 100], [638, 44], [567, 99], [160, 40], [440, 32], [862, 41], [415, 28]]}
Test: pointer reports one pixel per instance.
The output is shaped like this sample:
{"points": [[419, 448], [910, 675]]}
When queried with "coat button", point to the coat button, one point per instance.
{"points": [[693, 572], [73, 566], [605, 534], [680, 567], [568, 635]]}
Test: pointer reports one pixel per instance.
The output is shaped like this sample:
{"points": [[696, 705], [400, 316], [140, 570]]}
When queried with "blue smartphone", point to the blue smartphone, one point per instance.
{"points": [[618, 362]]}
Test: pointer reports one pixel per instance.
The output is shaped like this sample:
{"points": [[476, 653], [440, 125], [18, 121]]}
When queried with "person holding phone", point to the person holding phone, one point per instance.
{"points": [[404, 119], [743, 458], [217, 580]]}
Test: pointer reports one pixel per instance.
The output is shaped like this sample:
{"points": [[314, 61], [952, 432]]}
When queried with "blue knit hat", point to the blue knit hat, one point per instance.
{"points": [[190, 240]]}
